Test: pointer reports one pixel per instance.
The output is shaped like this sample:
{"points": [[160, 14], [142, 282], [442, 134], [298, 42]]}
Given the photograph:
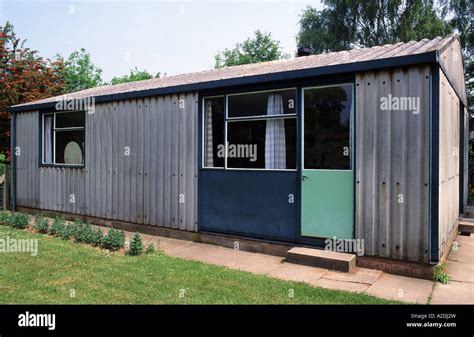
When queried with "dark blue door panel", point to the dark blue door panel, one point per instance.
{"points": [[249, 203]]}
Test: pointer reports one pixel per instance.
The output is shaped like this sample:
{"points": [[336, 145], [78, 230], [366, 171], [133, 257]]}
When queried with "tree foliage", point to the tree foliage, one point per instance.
{"points": [[79, 72], [462, 12], [24, 77], [260, 47], [344, 24], [135, 75]]}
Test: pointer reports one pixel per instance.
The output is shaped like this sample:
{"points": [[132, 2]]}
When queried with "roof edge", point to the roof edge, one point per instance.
{"points": [[391, 62]]}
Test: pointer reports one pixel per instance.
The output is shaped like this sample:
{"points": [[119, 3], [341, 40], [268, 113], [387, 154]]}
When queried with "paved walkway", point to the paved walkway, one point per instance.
{"points": [[460, 266], [369, 281]]}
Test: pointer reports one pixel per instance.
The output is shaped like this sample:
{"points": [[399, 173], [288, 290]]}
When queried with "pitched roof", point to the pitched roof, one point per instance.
{"points": [[219, 77]]}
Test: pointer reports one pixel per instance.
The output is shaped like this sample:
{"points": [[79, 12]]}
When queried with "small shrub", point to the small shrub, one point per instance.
{"points": [[57, 228], [68, 231], [440, 274], [19, 220], [84, 232], [41, 224], [114, 240], [136, 245], [5, 218], [97, 236], [150, 249]]}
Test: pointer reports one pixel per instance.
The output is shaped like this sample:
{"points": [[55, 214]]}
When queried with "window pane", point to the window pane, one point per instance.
{"points": [[214, 148], [70, 119], [327, 120], [264, 144], [48, 139], [70, 147], [262, 103]]}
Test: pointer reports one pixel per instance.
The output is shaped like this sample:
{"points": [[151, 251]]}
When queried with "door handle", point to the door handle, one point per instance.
{"points": [[305, 177]]}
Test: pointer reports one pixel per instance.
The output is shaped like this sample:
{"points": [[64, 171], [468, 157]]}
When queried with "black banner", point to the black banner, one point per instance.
{"points": [[237, 320]]}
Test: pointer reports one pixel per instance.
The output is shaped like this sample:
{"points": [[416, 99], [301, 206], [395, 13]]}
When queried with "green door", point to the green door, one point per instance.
{"points": [[327, 186]]}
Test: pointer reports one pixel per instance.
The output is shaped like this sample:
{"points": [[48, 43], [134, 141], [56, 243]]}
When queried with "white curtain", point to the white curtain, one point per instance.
{"points": [[48, 139], [209, 155], [275, 146]]}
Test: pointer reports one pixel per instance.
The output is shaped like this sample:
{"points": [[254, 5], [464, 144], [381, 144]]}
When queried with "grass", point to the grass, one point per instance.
{"points": [[96, 276]]}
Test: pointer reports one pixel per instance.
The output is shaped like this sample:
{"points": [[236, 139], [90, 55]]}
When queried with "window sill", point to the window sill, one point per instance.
{"points": [[62, 166]]}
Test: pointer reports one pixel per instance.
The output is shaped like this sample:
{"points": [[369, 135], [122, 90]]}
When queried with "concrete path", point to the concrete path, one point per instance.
{"points": [[460, 269], [369, 281]]}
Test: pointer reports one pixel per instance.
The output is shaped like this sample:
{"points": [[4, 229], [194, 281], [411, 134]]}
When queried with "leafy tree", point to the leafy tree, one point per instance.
{"points": [[259, 48], [344, 24], [462, 13], [135, 75], [24, 77], [79, 72]]}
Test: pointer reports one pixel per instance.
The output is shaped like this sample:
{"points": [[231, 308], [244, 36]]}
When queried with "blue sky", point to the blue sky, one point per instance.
{"points": [[169, 36]]}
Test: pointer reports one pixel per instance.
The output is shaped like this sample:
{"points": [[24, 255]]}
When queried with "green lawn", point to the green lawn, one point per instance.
{"points": [[97, 276]]}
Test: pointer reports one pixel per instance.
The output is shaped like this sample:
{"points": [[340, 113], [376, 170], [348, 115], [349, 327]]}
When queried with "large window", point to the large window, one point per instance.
{"points": [[257, 132], [63, 138], [327, 127]]}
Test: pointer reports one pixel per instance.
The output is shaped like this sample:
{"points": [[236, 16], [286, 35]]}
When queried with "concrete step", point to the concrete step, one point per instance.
{"points": [[466, 226], [322, 259]]}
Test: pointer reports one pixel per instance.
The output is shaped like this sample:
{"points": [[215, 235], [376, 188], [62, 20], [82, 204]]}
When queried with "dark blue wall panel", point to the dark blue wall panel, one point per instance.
{"points": [[249, 203]]}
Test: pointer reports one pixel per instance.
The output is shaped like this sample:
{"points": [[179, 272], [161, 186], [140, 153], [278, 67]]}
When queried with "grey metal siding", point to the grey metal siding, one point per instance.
{"points": [[449, 157], [452, 63], [27, 161], [392, 165], [144, 187]]}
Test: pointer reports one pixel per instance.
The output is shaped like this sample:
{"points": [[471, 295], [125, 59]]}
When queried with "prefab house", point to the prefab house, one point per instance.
{"points": [[367, 144]]}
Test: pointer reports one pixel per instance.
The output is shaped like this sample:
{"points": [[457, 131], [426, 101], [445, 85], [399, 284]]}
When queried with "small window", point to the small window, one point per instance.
{"points": [[63, 138], [73, 119], [257, 104], [214, 146]]}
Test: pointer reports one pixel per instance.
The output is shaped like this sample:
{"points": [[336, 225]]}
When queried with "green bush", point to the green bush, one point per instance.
{"points": [[84, 232], [136, 246], [97, 236], [114, 240], [41, 224], [57, 228], [150, 249], [68, 232], [5, 218], [19, 220]]}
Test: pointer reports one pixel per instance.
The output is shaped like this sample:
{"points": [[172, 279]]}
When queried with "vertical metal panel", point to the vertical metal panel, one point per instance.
{"points": [[452, 62], [392, 165], [27, 161], [449, 158]]}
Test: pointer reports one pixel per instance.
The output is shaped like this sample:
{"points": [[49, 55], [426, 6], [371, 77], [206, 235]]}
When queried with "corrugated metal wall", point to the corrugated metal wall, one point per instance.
{"points": [[451, 60], [392, 165], [449, 156], [28, 184], [155, 184]]}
